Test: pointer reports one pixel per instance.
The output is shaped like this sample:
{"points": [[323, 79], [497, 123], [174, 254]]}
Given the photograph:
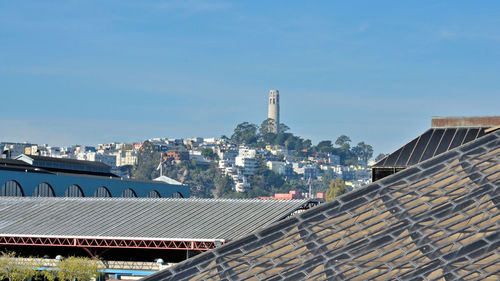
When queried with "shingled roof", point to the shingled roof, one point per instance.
{"points": [[437, 220]]}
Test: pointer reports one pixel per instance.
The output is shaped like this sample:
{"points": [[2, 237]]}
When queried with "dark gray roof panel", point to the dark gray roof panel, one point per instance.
{"points": [[175, 219], [459, 138], [419, 148], [405, 154], [438, 220], [471, 135], [446, 140], [481, 133], [391, 160], [431, 143]]}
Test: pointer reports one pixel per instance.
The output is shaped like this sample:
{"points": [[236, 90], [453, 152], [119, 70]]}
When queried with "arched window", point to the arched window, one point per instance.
{"points": [[73, 191], [102, 192], [154, 194], [177, 195], [43, 190], [129, 192], [11, 188]]}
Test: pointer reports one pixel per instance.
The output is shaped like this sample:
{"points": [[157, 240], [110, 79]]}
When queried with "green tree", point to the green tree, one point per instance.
{"points": [[268, 138], [306, 144], [223, 185], [15, 268], [281, 138], [337, 187], [347, 157], [363, 151], [245, 133], [273, 180], [379, 157], [298, 146], [283, 128], [290, 141], [147, 161], [357, 152], [326, 179], [267, 126], [342, 140], [325, 146], [209, 154], [77, 268], [267, 135]]}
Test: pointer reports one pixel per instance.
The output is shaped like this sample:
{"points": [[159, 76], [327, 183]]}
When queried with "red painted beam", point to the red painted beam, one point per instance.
{"points": [[108, 243]]}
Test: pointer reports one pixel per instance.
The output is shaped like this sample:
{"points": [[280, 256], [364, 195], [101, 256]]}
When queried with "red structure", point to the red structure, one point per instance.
{"points": [[176, 155], [137, 146], [203, 245]]}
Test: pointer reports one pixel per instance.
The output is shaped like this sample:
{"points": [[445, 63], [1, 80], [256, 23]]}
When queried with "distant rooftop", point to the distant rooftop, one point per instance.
{"points": [[167, 180], [430, 144], [446, 133], [463, 122], [67, 161], [66, 165]]}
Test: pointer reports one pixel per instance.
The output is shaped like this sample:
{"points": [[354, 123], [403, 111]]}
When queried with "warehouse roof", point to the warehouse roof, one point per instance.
{"points": [[437, 220], [140, 218]]}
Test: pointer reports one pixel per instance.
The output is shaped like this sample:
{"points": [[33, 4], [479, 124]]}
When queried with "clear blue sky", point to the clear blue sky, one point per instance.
{"points": [[88, 72]]}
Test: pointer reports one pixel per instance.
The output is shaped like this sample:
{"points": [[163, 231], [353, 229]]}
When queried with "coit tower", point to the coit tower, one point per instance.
{"points": [[274, 109]]}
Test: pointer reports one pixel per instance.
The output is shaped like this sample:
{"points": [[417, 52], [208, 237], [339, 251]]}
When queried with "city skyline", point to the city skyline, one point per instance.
{"points": [[92, 72]]}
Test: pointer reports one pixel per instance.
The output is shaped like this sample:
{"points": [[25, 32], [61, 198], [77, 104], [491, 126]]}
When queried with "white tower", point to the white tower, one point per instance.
{"points": [[274, 109]]}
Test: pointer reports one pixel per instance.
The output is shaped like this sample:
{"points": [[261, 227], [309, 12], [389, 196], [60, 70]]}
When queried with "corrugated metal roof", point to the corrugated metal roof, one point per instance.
{"points": [[438, 220], [141, 218]]}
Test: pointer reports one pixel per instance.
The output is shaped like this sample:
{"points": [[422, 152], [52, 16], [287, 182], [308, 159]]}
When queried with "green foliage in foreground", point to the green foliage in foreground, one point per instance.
{"points": [[14, 268], [75, 268]]}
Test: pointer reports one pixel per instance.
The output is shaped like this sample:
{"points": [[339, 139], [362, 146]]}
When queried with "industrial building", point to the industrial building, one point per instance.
{"points": [[40, 176], [446, 133], [131, 235], [438, 219]]}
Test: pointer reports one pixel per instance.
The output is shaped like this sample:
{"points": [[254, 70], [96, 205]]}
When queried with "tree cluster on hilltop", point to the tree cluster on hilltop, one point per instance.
{"points": [[258, 137], [208, 181]]}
